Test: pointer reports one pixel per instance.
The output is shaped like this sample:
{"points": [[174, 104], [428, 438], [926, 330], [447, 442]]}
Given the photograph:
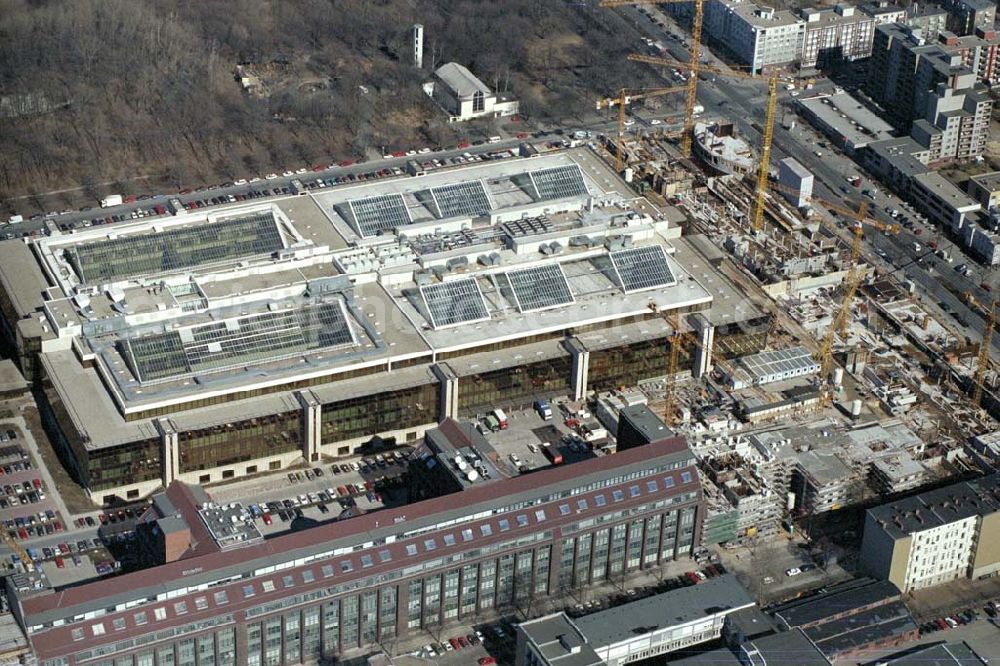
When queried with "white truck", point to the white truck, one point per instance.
{"points": [[112, 200], [698, 109]]}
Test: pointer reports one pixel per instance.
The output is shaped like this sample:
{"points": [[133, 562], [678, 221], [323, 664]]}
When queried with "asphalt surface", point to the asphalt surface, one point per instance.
{"points": [[281, 181]]}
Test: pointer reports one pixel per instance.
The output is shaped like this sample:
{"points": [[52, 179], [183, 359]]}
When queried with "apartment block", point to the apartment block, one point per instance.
{"points": [[965, 16], [935, 537], [834, 34], [883, 12], [985, 188], [760, 36]]}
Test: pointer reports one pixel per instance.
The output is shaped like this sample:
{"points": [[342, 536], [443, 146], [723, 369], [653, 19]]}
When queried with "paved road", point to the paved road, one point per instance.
{"points": [[281, 181]]}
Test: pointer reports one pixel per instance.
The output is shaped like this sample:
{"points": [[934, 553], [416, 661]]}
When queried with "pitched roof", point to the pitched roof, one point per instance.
{"points": [[461, 81]]}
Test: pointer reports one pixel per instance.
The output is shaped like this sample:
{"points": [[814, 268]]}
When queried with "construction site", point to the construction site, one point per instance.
{"points": [[855, 388]]}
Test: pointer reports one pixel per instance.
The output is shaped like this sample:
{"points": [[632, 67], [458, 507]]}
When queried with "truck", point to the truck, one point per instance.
{"points": [[501, 418], [553, 455], [112, 200], [544, 409]]}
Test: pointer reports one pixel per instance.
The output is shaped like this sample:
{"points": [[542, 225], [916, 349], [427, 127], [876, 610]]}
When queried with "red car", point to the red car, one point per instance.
{"points": [[985, 286], [463, 144], [267, 518], [104, 518], [345, 163], [486, 661], [37, 483], [59, 562], [455, 644]]}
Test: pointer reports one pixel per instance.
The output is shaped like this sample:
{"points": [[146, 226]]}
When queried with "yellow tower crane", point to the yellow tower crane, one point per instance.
{"points": [[624, 98], [983, 362], [839, 327], [757, 214], [693, 65]]}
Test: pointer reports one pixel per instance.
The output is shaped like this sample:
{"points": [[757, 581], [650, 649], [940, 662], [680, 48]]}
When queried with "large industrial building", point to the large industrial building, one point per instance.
{"points": [[205, 347], [495, 544]]}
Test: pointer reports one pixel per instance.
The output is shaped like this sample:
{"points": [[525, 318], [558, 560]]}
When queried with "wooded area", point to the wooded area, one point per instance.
{"points": [[105, 91]]}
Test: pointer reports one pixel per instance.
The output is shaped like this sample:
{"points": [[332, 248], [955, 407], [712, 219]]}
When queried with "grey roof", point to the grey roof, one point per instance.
{"points": [[873, 626], [560, 641], [788, 647], [643, 419], [825, 605], [751, 622], [939, 507], [462, 82], [942, 654], [677, 607], [825, 467]]}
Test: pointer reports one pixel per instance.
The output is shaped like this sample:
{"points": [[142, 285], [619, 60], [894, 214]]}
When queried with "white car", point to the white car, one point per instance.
{"points": [[411, 153], [241, 181], [271, 176], [286, 174], [629, 122], [655, 121], [424, 151], [794, 571], [302, 170]]}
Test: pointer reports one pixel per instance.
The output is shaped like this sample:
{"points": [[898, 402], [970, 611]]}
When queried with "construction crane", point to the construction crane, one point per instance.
{"points": [[757, 213], [983, 362], [839, 327], [693, 66], [624, 98], [678, 338]]}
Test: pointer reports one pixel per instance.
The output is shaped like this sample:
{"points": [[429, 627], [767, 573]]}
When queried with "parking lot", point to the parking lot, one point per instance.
{"points": [[764, 569], [328, 491], [531, 442]]}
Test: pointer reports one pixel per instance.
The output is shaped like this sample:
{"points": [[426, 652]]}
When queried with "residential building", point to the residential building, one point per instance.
{"points": [[464, 96], [935, 537], [146, 342], [318, 593], [980, 52], [965, 16], [954, 125], [985, 188], [656, 625], [915, 78], [838, 33], [883, 11], [929, 19], [759, 36], [891, 70]]}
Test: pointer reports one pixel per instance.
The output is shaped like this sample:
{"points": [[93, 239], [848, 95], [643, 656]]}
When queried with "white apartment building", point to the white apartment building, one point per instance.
{"points": [[762, 37], [838, 33], [935, 537], [940, 554]]}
